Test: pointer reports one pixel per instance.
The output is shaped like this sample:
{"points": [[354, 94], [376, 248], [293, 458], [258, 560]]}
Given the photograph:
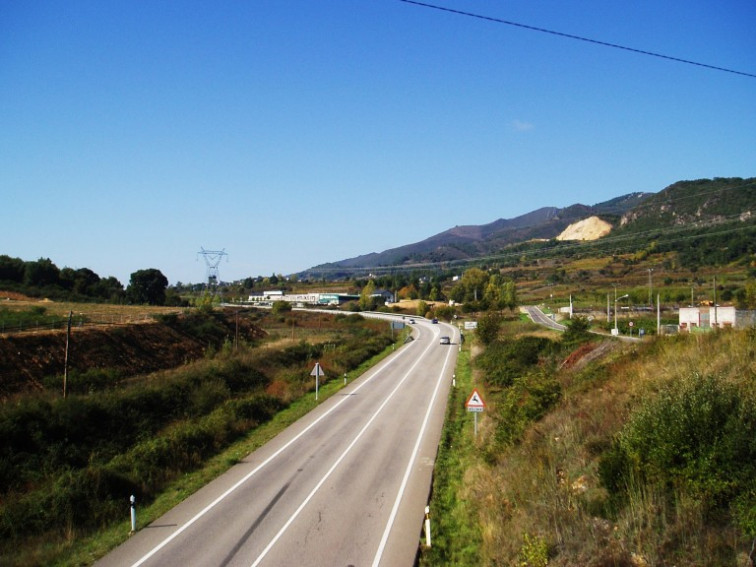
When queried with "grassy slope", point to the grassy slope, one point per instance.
{"points": [[541, 500], [72, 545]]}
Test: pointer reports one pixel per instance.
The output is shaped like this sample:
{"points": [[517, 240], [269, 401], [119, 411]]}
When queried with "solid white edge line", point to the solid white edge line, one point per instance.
{"points": [[257, 469], [410, 464], [338, 461]]}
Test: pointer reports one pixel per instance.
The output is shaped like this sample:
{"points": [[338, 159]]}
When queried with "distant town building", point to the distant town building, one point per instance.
{"points": [[715, 317], [315, 298], [387, 296]]}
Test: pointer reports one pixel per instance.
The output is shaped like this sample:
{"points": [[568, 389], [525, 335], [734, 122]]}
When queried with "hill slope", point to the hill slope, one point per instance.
{"points": [[700, 203]]}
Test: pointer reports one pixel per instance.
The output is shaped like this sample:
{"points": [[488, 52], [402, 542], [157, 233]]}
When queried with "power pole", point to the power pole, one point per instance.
{"points": [[212, 259], [65, 362]]}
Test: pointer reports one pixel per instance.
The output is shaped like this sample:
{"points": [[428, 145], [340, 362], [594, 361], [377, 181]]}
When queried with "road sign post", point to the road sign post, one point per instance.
{"points": [[476, 405], [317, 372]]}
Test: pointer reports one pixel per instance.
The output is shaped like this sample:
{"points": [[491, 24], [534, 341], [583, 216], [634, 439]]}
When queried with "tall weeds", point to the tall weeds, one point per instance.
{"points": [[647, 458]]}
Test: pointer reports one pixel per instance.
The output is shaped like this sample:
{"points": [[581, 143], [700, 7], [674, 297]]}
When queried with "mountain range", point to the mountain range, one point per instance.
{"points": [[700, 203]]}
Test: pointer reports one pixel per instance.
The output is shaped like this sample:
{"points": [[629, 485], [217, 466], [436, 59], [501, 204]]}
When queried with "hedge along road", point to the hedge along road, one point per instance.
{"points": [[345, 485]]}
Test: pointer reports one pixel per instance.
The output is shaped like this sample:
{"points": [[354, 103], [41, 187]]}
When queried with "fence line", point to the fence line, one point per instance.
{"points": [[89, 322]]}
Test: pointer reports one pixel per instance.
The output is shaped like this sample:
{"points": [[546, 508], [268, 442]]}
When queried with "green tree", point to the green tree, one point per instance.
{"points": [[488, 327], [492, 293], [577, 331], [446, 312], [422, 308], [750, 294], [509, 294], [280, 307], [41, 273], [109, 288], [366, 297], [82, 281], [147, 286], [11, 269], [474, 281]]}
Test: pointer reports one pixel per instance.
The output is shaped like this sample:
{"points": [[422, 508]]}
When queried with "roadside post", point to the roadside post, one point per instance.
{"points": [[133, 513], [317, 372], [427, 527], [476, 405]]}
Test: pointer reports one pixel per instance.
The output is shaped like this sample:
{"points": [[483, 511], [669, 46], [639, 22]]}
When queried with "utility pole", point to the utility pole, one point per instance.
{"points": [[650, 294], [65, 362], [616, 299], [608, 314]]}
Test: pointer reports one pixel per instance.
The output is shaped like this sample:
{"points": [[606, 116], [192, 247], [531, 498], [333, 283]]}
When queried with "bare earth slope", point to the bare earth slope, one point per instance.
{"points": [[591, 228]]}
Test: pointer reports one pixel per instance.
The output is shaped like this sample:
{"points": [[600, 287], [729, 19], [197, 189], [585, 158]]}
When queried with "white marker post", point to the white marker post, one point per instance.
{"points": [[133, 513], [427, 527], [476, 405], [317, 372]]}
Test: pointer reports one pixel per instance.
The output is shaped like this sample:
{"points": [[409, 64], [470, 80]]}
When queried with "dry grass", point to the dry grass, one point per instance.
{"points": [[548, 486]]}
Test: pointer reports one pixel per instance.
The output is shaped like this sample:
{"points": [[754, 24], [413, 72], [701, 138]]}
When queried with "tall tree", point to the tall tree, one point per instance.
{"points": [[41, 273], [147, 286], [509, 294], [11, 269], [474, 281], [366, 297]]}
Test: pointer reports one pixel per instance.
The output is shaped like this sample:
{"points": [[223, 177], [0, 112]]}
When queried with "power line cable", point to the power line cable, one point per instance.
{"points": [[577, 37]]}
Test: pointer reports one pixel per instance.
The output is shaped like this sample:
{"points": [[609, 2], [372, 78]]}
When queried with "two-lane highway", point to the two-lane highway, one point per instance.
{"points": [[346, 485]]}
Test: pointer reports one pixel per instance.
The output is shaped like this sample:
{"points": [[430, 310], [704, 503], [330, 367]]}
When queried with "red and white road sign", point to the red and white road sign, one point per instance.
{"points": [[475, 402]]}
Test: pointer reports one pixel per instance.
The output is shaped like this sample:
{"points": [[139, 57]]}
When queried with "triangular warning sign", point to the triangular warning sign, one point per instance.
{"points": [[475, 401]]}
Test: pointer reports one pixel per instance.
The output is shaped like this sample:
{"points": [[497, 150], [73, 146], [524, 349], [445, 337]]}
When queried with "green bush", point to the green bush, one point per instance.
{"points": [[72, 463], [527, 400], [697, 436], [577, 332], [504, 361]]}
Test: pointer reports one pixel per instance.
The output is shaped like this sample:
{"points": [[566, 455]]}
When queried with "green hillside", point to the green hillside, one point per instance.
{"points": [[594, 453]]}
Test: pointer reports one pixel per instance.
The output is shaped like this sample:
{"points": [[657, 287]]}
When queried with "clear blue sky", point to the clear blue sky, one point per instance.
{"points": [[293, 133]]}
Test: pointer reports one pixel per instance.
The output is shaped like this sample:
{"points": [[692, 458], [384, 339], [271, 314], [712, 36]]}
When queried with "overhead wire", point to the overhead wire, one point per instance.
{"points": [[577, 37]]}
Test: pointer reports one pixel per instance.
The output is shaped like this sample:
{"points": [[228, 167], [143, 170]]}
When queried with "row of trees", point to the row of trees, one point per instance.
{"points": [[42, 278], [476, 290]]}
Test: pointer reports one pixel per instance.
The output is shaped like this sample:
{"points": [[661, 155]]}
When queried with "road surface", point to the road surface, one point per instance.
{"points": [[538, 316], [345, 485]]}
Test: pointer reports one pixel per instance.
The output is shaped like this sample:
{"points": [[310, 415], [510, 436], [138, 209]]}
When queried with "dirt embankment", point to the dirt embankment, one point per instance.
{"points": [[591, 228], [27, 359]]}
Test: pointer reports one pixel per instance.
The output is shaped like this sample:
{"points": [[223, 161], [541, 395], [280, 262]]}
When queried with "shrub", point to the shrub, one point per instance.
{"points": [[488, 327], [502, 362], [577, 332], [698, 436], [526, 401]]}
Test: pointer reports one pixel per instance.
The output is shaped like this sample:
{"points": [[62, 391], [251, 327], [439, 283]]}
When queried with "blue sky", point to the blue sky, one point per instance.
{"points": [[293, 133]]}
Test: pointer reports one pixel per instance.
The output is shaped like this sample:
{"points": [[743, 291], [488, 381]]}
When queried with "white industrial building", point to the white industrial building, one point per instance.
{"points": [[315, 298], [715, 317]]}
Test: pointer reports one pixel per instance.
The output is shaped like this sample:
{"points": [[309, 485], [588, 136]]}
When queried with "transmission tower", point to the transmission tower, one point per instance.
{"points": [[212, 259]]}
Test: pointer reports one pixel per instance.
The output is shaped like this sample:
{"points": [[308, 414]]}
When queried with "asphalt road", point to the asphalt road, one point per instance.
{"points": [[538, 316], [347, 485]]}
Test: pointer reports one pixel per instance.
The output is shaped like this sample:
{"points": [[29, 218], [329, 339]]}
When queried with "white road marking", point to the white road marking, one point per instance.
{"points": [[267, 461], [338, 461], [405, 480]]}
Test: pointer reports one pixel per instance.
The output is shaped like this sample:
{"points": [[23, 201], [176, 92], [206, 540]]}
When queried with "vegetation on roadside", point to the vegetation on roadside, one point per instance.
{"points": [[592, 452], [67, 466]]}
